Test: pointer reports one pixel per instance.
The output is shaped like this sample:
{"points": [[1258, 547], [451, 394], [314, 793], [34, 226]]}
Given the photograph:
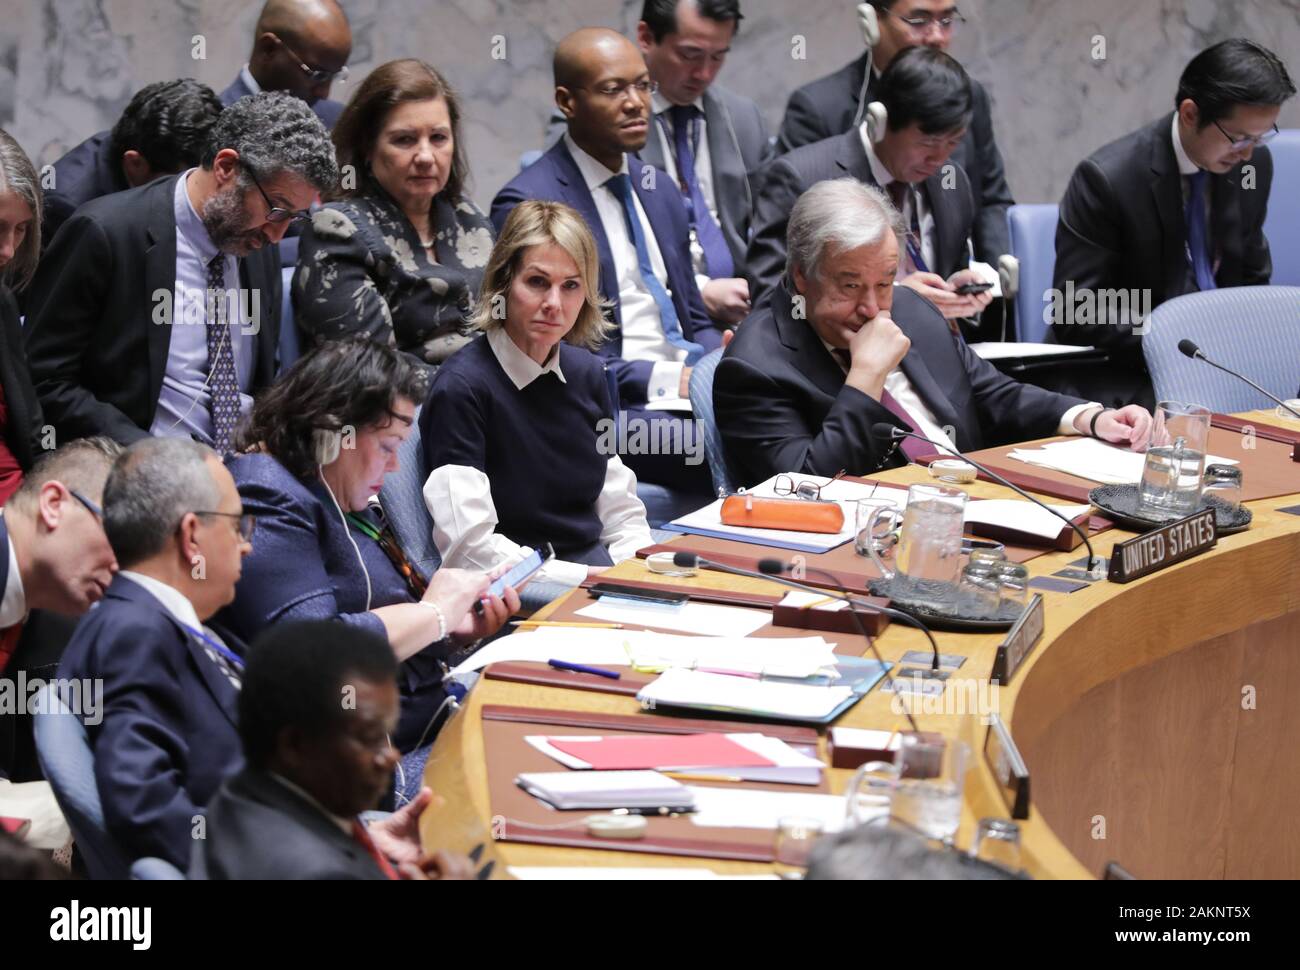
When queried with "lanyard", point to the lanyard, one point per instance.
{"points": [[365, 526], [231, 657]]}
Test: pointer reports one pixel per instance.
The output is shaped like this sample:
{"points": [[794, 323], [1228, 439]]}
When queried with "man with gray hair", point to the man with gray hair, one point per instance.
{"points": [[165, 738], [887, 852], [157, 310], [839, 349]]}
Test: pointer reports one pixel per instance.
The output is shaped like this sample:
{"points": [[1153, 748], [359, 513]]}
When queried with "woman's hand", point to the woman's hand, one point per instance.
{"points": [[455, 591], [496, 610]]}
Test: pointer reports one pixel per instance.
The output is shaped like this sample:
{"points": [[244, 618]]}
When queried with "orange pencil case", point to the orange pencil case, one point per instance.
{"points": [[786, 514]]}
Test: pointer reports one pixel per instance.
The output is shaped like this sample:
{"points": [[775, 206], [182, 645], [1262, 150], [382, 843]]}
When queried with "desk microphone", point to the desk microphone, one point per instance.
{"points": [[893, 432], [1189, 349], [773, 569]]}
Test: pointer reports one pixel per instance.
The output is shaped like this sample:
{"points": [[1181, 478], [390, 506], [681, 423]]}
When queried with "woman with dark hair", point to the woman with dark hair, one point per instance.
{"points": [[20, 247], [314, 452], [398, 253]]}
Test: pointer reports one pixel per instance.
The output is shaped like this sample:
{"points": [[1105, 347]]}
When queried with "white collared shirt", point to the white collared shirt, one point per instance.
{"points": [[1187, 168], [250, 82], [13, 608], [459, 498], [663, 125], [914, 197], [642, 328]]}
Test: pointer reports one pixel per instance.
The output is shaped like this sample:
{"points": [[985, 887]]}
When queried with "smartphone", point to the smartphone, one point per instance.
{"points": [[966, 289], [662, 597], [522, 572]]}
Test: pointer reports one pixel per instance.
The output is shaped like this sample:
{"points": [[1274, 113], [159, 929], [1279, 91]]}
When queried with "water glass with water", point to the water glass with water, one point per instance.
{"points": [[933, 776], [1175, 461], [927, 564]]}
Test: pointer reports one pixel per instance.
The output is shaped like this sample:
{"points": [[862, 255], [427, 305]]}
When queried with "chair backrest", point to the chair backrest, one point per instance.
{"points": [[402, 499], [153, 868], [1281, 225], [290, 348], [701, 393], [1033, 243], [1255, 330], [69, 764]]}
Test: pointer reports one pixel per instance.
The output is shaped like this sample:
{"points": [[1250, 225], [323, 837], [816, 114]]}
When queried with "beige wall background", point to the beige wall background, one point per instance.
{"points": [[68, 67]]}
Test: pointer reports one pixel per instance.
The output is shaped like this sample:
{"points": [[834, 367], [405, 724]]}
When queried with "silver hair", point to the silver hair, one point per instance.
{"points": [[875, 851], [843, 213], [18, 175], [275, 133], [153, 484]]}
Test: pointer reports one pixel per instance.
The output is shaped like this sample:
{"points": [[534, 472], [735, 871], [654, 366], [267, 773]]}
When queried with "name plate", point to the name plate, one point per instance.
{"points": [[1295, 452], [1020, 640], [1163, 547], [1008, 767]]}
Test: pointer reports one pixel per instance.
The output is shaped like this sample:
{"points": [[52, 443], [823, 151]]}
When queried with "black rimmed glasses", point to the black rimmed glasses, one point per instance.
{"points": [[1248, 141], [245, 523], [274, 213], [921, 22], [809, 490]]}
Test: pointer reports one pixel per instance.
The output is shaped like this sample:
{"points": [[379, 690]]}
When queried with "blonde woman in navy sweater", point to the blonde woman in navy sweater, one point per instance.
{"points": [[512, 430]]}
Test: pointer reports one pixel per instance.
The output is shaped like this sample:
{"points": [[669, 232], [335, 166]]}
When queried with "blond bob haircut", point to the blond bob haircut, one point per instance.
{"points": [[539, 223]]}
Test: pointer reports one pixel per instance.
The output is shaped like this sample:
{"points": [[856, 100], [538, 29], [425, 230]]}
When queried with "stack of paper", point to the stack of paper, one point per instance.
{"points": [[1017, 515], [1094, 460], [747, 808], [708, 520], [704, 619], [606, 789], [739, 695]]}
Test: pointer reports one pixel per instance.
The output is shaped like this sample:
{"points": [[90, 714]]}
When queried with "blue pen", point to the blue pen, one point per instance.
{"points": [[580, 669]]}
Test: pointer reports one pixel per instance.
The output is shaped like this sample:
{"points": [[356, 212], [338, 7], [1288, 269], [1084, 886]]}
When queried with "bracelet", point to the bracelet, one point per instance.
{"points": [[1092, 426], [442, 620]]}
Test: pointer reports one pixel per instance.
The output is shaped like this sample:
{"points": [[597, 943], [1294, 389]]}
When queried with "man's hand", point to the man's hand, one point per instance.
{"points": [[1129, 426], [874, 351], [727, 300], [438, 865], [942, 293], [398, 835]]}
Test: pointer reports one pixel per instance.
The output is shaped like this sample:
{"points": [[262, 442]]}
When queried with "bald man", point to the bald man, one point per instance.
{"points": [[300, 47], [661, 328]]}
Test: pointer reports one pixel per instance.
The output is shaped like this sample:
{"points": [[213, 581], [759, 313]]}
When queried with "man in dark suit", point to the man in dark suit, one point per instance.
{"points": [[164, 736], [314, 765], [841, 349], [1174, 207], [640, 226], [162, 132], [300, 47], [838, 102], [55, 563], [903, 148], [157, 310]]}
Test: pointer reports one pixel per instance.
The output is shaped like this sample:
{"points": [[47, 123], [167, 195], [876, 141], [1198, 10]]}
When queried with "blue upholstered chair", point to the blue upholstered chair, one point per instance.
{"points": [[1033, 243], [701, 391], [1281, 226]]}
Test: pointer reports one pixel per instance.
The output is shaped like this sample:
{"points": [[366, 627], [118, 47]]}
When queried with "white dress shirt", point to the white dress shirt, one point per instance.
{"points": [[663, 125], [914, 197], [13, 608], [459, 498], [1187, 168], [643, 331]]}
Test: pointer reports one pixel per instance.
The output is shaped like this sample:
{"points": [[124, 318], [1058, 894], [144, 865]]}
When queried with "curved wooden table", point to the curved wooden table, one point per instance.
{"points": [[1158, 718]]}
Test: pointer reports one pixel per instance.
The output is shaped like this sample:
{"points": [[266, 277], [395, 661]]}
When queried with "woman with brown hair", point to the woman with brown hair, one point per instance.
{"points": [[398, 253]]}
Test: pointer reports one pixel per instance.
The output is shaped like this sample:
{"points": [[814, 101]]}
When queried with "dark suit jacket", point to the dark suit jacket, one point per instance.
{"points": [[837, 103], [782, 404], [257, 828], [738, 146], [1122, 228], [167, 738], [84, 173], [97, 357], [787, 177], [24, 423], [556, 176], [327, 111]]}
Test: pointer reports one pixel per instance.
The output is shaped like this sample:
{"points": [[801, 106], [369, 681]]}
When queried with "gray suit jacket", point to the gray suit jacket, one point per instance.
{"points": [[738, 146], [787, 177]]}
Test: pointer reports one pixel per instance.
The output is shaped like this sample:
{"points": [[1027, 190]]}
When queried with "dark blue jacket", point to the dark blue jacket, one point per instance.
{"points": [[556, 177], [327, 111], [165, 737]]}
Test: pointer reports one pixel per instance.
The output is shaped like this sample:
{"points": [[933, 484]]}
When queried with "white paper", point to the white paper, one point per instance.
{"points": [[799, 600], [594, 648], [747, 808], [720, 692], [1022, 516], [670, 404], [773, 749], [1094, 460], [706, 619], [587, 873], [1010, 349]]}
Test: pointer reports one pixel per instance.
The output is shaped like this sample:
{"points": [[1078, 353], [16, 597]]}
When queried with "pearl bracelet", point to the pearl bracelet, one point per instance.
{"points": [[442, 620]]}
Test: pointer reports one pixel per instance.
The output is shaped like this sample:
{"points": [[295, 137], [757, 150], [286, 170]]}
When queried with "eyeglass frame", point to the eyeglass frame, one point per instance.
{"points": [[1251, 141], [317, 75], [928, 20], [91, 507], [275, 214], [245, 526]]}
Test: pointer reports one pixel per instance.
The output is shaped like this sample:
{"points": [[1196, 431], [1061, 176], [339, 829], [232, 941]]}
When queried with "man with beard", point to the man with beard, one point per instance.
{"points": [[157, 310]]}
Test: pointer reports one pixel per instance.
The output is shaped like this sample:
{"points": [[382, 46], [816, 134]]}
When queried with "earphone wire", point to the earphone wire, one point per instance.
{"points": [[320, 470]]}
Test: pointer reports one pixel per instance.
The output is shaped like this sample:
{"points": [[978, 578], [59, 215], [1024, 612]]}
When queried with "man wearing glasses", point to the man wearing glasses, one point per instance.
{"points": [[165, 736], [1174, 207], [157, 310], [635, 212], [300, 47], [836, 103]]}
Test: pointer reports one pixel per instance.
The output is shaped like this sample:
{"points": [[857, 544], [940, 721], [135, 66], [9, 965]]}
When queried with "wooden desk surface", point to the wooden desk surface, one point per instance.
{"points": [[1099, 709]]}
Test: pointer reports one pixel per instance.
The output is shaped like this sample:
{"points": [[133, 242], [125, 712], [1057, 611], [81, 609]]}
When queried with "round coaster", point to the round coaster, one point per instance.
{"points": [[953, 470], [662, 564], [1120, 504], [616, 826]]}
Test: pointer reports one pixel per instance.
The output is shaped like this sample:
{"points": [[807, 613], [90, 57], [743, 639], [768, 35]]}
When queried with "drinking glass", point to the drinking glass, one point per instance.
{"points": [[928, 560], [1175, 461]]}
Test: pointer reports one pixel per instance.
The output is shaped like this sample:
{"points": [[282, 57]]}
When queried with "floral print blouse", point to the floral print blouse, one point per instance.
{"points": [[361, 269]]}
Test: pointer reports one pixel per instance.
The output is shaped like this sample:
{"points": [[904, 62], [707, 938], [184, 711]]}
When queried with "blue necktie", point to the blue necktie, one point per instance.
{"points": [[621, 186], [1197, 242], [717, 257]]}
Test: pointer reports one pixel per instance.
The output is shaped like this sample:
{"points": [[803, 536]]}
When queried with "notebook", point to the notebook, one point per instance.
{"points": [[699, 691], [606, 789]]}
